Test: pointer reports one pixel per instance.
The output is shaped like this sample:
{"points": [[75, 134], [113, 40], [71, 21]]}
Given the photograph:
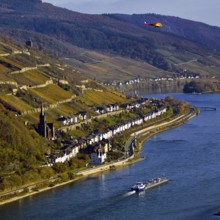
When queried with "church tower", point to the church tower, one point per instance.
{"points": [[42, 125], [46, 130]]}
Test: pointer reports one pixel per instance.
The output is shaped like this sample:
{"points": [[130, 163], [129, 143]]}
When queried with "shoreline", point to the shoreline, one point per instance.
{"points": [[143, 134], [80, 177]]}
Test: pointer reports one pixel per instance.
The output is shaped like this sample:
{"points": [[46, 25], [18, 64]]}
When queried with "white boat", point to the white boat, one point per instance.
{"points": [[139, 186]]}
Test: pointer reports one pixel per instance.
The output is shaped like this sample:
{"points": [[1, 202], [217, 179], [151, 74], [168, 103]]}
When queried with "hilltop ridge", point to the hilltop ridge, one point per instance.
{"points": [[76, 36]]}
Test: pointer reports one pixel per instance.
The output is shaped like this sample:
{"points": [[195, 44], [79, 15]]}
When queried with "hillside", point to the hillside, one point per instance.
{"points": [[29, 77], [20, 145], [124, 48], [186, 29]]}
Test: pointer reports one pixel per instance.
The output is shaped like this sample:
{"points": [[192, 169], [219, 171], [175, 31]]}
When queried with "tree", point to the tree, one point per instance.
{"points": [[60, 167]]}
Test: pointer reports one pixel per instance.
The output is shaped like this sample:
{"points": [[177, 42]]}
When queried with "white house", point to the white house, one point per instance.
{"points": [[82, 115], [115, 107], [74, 151], [68, 120], [146, 117], [73, 119], [108, 134], [91, 139], [100, 110], [61, 158], [109, 108]]}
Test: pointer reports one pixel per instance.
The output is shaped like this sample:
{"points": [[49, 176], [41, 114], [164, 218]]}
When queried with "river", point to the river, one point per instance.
{"points": [[188, 155]]}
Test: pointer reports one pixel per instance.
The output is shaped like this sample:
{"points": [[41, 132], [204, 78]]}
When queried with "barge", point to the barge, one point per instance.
{"points": [[156, 182], [140, 186]]}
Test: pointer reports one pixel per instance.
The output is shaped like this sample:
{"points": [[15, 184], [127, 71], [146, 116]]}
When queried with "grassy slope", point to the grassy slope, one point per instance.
{"points": [[108, 68]]}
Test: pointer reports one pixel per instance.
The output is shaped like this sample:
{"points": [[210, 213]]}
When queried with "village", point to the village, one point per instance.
{"points": [[98, 143], [138, 80]]}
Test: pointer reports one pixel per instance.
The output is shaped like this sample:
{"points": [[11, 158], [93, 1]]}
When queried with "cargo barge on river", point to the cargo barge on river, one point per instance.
{"points": [[141, 186]]}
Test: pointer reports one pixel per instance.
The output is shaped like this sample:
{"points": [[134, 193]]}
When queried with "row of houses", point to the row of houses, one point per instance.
{"points": [[72, 147], [63, 156], [99, 155], [97, 140], [136, 104], [128, 106], [72, 119], [107, 108], [111, 132], [187, 75]]}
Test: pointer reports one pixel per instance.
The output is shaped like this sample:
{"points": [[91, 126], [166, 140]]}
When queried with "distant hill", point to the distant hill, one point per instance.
{"points": [[187, 29], [181, 44]]}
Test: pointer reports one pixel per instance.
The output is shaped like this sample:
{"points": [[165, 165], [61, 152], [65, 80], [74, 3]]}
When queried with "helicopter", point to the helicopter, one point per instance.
{"points": [[155, 24]]}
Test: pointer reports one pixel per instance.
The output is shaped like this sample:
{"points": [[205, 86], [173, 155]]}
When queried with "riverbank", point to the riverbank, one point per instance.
{"points": [[140, 134], [146, 133]]}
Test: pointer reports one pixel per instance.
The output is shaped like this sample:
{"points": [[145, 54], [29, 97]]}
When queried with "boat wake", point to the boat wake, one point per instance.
{"points": [[128, 193]]}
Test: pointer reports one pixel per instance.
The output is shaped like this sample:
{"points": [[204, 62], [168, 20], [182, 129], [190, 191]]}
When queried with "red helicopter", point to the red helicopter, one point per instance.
{"points": [[156, 24]]}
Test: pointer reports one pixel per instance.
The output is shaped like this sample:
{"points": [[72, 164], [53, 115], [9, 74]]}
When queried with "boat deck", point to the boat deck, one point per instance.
{"points": [[155, 182]]}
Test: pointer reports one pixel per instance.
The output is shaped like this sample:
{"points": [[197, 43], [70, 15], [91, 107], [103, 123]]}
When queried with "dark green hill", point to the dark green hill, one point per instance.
{"points": [[20, 147], [187, 29], [181, 44]]}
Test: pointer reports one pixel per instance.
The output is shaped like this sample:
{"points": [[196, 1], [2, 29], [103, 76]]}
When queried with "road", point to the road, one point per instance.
{"points": [[128, 145]]}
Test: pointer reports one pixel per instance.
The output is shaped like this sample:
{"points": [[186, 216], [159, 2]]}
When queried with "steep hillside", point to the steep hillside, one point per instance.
{"points": [[29, 77], [180, 46], [187, 29], [20, 145]]}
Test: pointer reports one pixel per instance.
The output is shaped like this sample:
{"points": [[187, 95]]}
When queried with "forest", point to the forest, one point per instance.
{"points": [[201, 87]]}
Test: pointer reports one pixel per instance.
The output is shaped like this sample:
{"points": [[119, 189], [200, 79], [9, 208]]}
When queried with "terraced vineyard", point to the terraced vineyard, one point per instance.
{"points": [[51, 93], [95, 97], [29, 78], [14, 103]]}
